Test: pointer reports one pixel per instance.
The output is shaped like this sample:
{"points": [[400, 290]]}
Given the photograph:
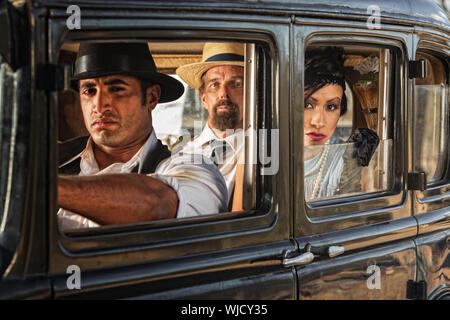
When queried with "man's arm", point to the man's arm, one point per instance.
{"points": [[117, 198]]}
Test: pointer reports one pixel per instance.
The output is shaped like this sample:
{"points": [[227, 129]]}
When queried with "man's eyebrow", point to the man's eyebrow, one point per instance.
{"points": [[88, 84], [115, 81], [211, 80], [217, 78]]}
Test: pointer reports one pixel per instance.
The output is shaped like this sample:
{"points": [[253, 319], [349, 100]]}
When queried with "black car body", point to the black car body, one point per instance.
{"points": [[392, 244]]}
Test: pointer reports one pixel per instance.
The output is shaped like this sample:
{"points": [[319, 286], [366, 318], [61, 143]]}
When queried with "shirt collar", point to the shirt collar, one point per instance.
{"points": [[89, 165], [208, 135]]}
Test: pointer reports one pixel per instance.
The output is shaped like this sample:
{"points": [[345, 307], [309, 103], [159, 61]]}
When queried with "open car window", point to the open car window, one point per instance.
{"points": [[431, 119], [355, 155], [180, 122]]}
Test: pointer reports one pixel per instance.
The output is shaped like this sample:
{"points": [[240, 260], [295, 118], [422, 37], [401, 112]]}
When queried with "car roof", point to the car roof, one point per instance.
{"points": [[411, 12]]}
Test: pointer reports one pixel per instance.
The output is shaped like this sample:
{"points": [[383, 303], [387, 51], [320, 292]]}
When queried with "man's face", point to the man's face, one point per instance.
{"points": [[223, 96], [114, 112]]}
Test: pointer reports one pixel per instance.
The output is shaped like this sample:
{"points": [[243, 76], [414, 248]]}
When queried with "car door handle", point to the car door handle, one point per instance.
{"points": [[334, 251], [331, 251], [308, 256], [302, 258]]}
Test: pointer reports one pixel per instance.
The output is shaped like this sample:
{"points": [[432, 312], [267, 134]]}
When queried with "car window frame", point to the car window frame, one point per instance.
{"points": [[445, 179], [362, 209], [437, 193], [164, 224]]}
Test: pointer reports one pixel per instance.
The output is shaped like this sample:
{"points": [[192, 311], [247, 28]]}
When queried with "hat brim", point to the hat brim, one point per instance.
{"points": [[171, 88], [192, 73]]}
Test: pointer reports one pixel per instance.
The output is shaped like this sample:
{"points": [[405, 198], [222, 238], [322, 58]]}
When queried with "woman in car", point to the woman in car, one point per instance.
{"points": [[326, 156]]}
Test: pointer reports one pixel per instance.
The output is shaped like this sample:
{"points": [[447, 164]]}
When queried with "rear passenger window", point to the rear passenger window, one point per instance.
{"points": [[431, 119], [348, 121]]}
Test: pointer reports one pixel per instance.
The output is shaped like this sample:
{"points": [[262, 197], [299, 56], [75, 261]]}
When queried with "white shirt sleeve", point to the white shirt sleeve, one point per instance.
{"points": [[200, 186]]}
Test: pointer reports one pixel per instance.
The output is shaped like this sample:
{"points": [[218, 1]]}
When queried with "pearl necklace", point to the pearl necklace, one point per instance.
{"points": [[321, 162]]}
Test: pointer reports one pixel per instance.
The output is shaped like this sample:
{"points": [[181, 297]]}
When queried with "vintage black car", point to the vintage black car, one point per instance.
{"points": [[391, 240]]}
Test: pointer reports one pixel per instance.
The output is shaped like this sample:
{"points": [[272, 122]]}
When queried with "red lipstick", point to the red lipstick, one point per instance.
{"points": [[315, 136]]}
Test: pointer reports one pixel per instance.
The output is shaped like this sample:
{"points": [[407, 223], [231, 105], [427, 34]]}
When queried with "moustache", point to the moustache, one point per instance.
{"points": [[105, 118], [225, 103]]}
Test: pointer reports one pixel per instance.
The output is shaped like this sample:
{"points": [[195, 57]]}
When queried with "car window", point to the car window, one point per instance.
{"points": [[348, 139], [431, 116], [178, 123]]}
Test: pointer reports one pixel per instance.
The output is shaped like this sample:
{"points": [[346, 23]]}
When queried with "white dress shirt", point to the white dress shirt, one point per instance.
{"points": [[198, 183], [204, 144]]}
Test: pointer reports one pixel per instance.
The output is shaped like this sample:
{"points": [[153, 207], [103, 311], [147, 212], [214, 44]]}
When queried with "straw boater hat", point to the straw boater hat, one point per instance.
{"points": [[103, 59], [214, 54]]}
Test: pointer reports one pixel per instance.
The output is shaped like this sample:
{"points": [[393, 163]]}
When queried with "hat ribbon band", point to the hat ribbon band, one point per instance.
{"points": [[225, 57], [118, 62]]}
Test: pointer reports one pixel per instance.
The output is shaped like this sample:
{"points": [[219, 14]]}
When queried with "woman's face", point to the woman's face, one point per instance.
{"points": [[322, 112]]}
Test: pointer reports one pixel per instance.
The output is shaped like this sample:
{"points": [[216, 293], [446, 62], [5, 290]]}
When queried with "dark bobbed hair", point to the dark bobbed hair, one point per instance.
{"points": [[325, 66]]}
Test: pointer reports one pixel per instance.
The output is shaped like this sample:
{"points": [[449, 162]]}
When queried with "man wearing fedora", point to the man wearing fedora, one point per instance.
{"points": [[121, 173], [220, 80]]}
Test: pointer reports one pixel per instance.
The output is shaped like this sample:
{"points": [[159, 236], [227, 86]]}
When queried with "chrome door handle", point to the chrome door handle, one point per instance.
{"points": [[331, 251], [308, 256], [303, 258], [334, 251]]}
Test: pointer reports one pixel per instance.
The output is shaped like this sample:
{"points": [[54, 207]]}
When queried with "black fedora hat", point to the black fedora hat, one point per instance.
{"points": [[105, 58]]}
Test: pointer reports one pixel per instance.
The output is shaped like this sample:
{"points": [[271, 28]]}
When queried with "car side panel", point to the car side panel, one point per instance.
{"points": [[372, 274], [433, 247]]}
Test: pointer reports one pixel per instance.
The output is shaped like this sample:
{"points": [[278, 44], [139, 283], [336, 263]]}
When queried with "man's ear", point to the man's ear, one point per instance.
{"points": [[203, 98], [153, 94]]}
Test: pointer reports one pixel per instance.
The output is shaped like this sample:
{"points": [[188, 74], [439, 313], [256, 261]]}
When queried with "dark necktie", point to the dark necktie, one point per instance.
{"points": [[220, 150]]}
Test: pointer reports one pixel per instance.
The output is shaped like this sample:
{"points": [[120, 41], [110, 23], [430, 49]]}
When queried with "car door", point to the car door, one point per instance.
{"points": [[358, 245], [230, 255], [430, 160], [22, 164]]}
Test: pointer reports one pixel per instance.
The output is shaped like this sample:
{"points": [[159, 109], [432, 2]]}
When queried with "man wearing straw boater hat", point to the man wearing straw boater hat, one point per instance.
{"points": [[220, 80], [122, 173]]}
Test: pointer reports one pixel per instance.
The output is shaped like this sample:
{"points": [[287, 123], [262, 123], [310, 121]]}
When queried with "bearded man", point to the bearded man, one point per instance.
{"points": [[220, 80]]}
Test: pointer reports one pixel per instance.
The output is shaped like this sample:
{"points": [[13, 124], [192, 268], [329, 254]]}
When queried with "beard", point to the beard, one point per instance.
{"points": [[227, 119]]}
